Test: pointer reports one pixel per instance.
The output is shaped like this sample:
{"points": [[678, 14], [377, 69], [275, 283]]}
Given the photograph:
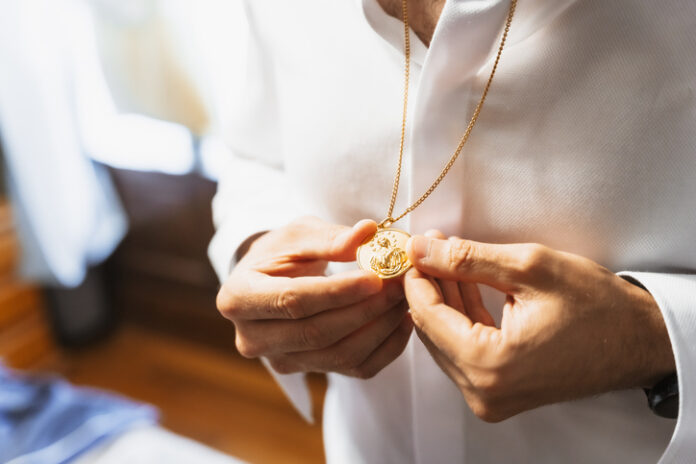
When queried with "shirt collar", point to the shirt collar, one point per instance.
{"points": [[391, 30], [468, 29]]}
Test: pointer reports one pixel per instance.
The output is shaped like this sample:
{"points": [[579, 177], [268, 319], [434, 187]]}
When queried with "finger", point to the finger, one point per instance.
{"points": [[352, 350], [466, 260], [290, 268], [387, 352], [268, 337], [434, 233], [451, 295], [471, 296], [449, 288], [264, 297], [447, 366], [452, 332], [332, 242], [462, 296]]}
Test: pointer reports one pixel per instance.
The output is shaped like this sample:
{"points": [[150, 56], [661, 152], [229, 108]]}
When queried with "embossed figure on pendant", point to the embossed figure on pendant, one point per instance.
{"points": [[388, 259]]}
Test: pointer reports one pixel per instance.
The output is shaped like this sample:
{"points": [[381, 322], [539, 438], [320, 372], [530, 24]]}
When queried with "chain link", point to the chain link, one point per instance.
{"points": [[407, 52]]}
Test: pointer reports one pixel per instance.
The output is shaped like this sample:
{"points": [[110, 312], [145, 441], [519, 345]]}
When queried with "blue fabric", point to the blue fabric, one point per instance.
{"points": [[48, 421]]}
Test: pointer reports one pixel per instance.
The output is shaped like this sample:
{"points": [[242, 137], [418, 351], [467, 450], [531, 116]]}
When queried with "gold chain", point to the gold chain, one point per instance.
{"points": [[407, 52]]}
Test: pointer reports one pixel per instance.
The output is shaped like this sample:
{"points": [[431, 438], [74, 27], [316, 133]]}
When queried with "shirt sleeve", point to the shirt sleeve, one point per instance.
{"points": [[675, 294], [253, 188], [251, 198]]}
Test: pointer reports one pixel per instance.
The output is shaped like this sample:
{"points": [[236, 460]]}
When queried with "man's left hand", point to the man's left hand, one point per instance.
{"points": [[570, 328]]}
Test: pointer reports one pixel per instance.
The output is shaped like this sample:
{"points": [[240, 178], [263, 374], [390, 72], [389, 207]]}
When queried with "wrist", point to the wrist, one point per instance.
{"points": [[656, 357]]}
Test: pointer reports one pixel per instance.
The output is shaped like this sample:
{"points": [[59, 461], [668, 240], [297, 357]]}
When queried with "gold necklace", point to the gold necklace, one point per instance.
{"points": [[383, 253]]}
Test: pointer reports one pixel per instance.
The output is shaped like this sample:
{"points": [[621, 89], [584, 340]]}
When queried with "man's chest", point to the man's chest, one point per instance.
{"points": [[422, 15], [575, 147]]}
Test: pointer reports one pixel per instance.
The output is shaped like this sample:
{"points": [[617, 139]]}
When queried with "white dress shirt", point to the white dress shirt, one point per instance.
{"points": [[587, 144]]}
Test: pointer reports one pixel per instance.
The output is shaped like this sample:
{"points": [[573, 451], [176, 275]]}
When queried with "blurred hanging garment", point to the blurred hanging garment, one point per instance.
{"points": [[150, 53], [177, 61], [44, 420], [67, 213]]}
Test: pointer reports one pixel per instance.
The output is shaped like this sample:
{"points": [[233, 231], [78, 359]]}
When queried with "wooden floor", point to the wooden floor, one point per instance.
{"points": [[217, 398]]}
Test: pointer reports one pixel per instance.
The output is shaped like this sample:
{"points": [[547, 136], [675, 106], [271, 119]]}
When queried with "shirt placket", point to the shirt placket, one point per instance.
{"points": [[443, 103]]}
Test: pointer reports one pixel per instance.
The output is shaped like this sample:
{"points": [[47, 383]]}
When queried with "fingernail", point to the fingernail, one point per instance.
{"points": [[362, 226], [420, 247], [359, 224]]}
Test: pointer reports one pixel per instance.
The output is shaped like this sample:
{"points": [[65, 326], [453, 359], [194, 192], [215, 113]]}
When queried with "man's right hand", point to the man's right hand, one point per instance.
{"points": [[285, 309]]}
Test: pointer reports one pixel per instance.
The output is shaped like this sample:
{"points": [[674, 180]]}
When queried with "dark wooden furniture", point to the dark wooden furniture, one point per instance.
{"points": [[160, 276]]}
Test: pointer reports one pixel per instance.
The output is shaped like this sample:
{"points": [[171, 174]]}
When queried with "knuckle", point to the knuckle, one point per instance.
{"points": [[345, 361], [288, 304], [312, 336], [395, 294], [247, 348], [363, 373], [489, 384], [510, 348], [484, 412], [533, 258], [304, 224], [226, 303], [460, 254], [332, 234], [487, 411], [283, 366], [377, 305], [419, 318], [221, 299], [370, 310]]}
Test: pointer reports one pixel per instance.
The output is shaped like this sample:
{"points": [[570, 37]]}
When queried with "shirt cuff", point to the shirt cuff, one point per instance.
{"points": [[675, 294]]}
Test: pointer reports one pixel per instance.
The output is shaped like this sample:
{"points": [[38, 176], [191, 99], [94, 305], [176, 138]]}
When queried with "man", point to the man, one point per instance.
{"points": [[584, 147]]}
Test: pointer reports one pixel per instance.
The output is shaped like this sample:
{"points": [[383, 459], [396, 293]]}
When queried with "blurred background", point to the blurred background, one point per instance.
{"points": [[109, 115]]}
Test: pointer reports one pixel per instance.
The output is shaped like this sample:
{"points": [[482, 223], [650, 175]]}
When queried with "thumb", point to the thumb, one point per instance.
{"points": [[467, 261], [336, 242], [451, 331]]}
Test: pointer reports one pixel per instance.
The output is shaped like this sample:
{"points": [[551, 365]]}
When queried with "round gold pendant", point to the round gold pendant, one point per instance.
{"points": [[385, 253]]}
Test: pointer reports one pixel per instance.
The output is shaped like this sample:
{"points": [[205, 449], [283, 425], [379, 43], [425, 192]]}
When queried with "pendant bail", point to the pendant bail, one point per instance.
{"points": [[386, 223]]}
